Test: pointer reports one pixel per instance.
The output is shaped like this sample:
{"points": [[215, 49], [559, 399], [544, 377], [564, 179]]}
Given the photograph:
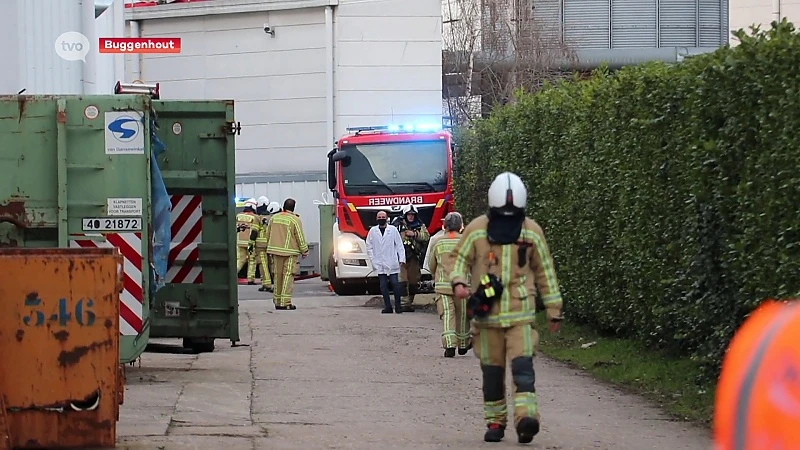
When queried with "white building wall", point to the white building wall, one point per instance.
{"points": [[387, 69], [30, 61], [278, 84], [29, 33], [110, 68], [744, 13], [388, 58]]}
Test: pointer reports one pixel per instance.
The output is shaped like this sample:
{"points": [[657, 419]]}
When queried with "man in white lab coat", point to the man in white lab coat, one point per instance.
{"points": [[385, 250]]}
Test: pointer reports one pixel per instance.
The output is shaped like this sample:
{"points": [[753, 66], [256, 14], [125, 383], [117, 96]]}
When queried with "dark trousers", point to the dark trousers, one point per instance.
{"points": [[384, 280]]}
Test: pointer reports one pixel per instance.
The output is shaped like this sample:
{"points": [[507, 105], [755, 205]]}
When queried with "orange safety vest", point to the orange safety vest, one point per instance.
{"points": [[758, 394]]}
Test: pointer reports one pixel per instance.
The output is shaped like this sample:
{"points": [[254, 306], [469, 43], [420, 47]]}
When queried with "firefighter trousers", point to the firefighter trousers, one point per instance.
{"points": [[284, 279], [409, 278], [455, 325], [495, 346], [242, 256], [259, 258]]}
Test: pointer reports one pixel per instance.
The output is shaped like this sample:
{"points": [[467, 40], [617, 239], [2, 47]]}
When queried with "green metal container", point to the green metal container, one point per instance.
{"points": [[76, 173], [327, 216], [200, 300]]}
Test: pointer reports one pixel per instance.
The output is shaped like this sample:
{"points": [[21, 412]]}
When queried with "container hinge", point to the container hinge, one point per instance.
{"points": [[234, 128]]}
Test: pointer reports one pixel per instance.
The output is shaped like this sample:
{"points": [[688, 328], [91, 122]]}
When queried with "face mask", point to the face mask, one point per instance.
{"points": [[381, 222]]}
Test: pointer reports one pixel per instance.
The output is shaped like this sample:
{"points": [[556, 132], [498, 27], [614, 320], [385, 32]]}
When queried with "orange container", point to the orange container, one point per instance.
{"points": [[758, 394], [60, 376]]}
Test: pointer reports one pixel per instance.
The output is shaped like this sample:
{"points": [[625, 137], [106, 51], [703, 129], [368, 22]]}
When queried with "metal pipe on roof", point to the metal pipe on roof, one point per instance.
{"points": [[584, 59]]}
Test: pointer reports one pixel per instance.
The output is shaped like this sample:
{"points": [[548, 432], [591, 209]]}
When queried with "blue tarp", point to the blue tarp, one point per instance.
{"points": [[161, 206]]}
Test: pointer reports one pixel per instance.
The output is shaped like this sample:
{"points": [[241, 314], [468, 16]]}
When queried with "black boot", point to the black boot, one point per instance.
{"points": [[527, 428], [251, 283], [387, 310], [495, 433], [463, 351], [449, 353]]}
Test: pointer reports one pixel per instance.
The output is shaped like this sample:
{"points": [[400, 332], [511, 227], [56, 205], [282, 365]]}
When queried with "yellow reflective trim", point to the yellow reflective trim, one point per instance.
{"points": [[352, 207]]}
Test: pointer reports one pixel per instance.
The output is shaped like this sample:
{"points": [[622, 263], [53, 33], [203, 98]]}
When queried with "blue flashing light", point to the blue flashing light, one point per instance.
{"points": [[405, 128]]}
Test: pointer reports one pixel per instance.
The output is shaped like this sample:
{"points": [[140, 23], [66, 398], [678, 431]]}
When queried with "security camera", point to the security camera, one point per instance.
{"points": [[268, 29]]}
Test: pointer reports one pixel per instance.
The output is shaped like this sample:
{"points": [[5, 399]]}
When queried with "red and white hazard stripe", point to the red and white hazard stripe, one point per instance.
{"points": [[186, 218], [132, 296]]}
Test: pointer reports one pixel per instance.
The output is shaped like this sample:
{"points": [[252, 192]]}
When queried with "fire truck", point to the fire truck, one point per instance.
{"points": [[378, 168]]}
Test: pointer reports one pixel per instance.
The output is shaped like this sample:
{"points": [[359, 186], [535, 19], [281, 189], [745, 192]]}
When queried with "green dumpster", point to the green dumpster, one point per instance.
{"points": [[200, 300], [76, 173], [326, 220]]}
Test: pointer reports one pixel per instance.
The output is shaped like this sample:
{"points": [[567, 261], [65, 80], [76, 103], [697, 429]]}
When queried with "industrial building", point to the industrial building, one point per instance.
{"points": [[493, 46]]}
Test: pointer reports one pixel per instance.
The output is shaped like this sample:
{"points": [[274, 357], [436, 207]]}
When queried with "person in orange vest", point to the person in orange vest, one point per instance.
{"points": [[757, 403]]}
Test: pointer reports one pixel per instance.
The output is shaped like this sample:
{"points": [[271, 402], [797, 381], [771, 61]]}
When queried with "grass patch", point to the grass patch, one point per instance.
{"points": [[667, 380]]}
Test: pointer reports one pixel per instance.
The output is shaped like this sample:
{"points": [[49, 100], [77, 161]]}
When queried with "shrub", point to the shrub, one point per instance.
{"points": [[669, 193]]}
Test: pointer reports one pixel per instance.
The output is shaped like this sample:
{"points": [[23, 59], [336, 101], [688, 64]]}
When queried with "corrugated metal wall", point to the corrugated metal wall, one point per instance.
{"points": [[29, 34], [586, 23], [304, 188], [635, 23], [603, 24]]}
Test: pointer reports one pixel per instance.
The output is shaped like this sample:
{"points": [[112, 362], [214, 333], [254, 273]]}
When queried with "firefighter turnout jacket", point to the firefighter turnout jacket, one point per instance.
{"points": [[441, 260], [285, 235], [521, 266], [246, 223], [261, 239]]}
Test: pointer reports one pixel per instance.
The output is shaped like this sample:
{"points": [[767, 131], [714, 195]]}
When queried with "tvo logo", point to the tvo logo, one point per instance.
{"points": [[124, 128]]}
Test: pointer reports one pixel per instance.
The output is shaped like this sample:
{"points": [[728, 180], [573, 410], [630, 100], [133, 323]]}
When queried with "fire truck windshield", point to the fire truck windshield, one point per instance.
{"points": [[395, 168]]}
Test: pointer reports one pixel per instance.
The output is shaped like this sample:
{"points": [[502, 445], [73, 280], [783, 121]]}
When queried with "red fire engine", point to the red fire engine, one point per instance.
{"points": [[383, 168]]}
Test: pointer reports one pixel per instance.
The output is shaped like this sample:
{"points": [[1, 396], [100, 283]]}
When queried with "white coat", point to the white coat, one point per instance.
{"points": [[385, 250]]}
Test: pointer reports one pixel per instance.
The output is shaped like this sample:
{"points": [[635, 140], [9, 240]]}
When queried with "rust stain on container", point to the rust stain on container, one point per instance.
{"points": [[14, 212], [63, 390]]}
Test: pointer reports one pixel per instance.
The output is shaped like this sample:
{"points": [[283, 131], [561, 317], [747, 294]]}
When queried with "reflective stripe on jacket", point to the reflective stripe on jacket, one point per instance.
{"points": [[475, 257], [261, 240], [441, 261], [245, 223], [285, 235]]}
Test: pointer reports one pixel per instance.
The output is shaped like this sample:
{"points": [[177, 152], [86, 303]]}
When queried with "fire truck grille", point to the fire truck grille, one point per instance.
{"points": [[368, 216]]}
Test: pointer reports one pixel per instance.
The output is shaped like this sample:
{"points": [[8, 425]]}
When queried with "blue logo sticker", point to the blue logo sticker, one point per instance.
{"points": [[124, 128]]}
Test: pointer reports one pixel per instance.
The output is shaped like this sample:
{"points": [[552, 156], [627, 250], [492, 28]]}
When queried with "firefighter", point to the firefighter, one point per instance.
{"points": [[415, 240], [497, 254], [259, 256], [453, 313], [246, 233], [272, 209], [285, 242]]}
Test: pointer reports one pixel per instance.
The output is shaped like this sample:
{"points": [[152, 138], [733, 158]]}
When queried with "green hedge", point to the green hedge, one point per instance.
{"points": [[670, 194]]}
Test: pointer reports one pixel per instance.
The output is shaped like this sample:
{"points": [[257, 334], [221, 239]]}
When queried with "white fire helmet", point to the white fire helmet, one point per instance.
{"points": [[263, 201], [507, 192], [409, 209], [250, 203], [273, 208]]}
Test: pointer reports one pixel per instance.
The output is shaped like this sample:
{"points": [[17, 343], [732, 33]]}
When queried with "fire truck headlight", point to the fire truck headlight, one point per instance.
{"points": [[348, 246]]}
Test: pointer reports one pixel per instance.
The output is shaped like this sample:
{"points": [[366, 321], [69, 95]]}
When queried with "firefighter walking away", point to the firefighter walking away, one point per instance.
{"points": [[258, 258], [246, 233], [452, 311], [502, 255], [286, 242], [415, 241]]}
